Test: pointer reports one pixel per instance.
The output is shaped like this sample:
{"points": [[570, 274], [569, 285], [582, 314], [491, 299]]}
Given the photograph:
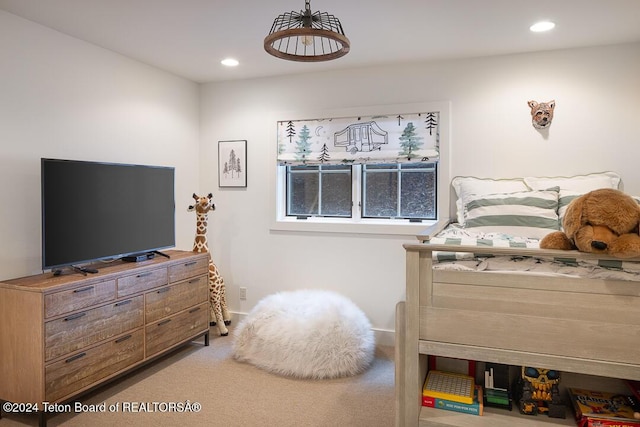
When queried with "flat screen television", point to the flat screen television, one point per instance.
{"points": [[95, 211]]}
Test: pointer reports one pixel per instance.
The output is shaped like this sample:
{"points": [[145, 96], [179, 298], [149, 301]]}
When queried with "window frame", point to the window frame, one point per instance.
{"points": [[281, 222]]}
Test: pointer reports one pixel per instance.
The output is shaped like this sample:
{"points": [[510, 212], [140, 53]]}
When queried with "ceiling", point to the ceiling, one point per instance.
{"points": [[190, 37]]}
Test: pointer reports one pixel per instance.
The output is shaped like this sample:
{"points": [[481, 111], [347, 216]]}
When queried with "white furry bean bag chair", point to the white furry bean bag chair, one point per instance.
{"points": [[306, 334]]}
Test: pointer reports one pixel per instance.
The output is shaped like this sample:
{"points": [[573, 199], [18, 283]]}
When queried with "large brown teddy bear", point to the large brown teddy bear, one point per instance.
{"points": [[601, 221]]}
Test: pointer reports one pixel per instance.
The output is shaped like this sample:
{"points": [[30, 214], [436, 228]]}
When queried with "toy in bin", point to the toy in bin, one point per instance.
{"points": [[538, 393], [447, 385], [496, 385]]}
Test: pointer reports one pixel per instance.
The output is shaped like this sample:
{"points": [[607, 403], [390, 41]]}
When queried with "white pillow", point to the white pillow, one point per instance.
{"points": [[530, 214], [579, 183], [467, 185]]}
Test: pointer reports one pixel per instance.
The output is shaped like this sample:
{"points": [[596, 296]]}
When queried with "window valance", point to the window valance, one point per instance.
{"points": [[393, 138]]}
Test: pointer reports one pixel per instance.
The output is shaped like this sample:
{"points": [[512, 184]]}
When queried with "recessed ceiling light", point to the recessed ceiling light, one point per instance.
{"points": [[229, 62], [542, 26]]}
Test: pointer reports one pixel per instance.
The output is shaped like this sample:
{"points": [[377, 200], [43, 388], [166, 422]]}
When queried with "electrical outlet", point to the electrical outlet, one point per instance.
{"points": [[243, 293]]}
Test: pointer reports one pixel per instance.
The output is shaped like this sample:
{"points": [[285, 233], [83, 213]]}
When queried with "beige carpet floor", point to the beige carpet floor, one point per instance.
{"points": [[233, 394]]}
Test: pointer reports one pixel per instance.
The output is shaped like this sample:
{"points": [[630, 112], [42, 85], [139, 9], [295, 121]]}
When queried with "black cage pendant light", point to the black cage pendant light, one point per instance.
{"points": [[307, 37]]}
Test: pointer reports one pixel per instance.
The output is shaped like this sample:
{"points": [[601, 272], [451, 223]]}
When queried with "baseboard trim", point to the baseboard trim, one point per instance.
{"points": [[384, 337]]}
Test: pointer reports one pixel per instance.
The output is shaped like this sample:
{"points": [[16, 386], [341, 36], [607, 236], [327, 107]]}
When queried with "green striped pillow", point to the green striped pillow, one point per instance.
{"points": [[567, 196], [532, 214], [564, 198]]}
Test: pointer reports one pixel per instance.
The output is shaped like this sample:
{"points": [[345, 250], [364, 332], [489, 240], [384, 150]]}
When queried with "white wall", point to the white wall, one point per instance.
{"points": [[597, 92], [64, 98], [60, 97]]}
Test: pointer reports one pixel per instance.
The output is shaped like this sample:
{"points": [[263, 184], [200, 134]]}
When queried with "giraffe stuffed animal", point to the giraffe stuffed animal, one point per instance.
{"points": [[219, 314]]}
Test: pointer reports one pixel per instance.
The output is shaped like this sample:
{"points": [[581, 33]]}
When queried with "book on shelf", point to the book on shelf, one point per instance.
{"points": [[475, 408], [602, 409], [604, 422]]}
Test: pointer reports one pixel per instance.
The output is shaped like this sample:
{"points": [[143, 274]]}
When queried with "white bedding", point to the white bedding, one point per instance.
{"points": [[565, 267]]}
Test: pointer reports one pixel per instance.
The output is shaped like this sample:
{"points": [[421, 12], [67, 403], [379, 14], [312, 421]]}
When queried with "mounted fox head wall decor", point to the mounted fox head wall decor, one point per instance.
{"points": [[541, 113]]}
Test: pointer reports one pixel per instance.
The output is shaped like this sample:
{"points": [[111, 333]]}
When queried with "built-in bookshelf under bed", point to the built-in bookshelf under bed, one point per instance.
{"points": [[585, 328]]}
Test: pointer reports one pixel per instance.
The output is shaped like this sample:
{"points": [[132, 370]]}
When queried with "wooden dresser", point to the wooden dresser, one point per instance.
{"points": [[63, 335]]}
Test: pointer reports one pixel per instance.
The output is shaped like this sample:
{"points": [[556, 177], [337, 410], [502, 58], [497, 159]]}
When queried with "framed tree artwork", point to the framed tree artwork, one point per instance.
{"points": [[232, 163]]}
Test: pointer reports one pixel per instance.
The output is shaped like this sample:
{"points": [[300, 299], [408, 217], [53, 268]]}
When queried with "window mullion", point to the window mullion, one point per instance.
{"points": [[287, 178], [357, 201], [399, 185], [320, 174]]}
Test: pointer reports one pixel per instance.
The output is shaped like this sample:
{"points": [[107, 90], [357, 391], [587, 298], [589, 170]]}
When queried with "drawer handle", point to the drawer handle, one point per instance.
{"points": [[187, 264], [193, 310], [164, 322], [144, 274], [76, 357], [118, 304], [121, 339], [74, 316], [160, 291], [77, 291], [194, 280]]}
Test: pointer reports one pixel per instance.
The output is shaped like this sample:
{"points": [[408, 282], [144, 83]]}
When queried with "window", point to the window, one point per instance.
{"points": [[380, 173], [388, 191], [323, 191], [399, 191]]}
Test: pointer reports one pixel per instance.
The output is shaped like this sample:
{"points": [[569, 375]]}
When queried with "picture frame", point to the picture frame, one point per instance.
{"points": [[232, 163]]}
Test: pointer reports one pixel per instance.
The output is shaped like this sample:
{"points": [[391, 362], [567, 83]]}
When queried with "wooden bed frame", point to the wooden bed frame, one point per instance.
{"points": [[574, 325]]}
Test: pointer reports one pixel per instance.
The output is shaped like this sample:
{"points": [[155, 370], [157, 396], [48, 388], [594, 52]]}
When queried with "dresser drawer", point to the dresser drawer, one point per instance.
{"points": [[141, 282], [172, 330], [188, 269], [171, 299], [67, 376], [82, 329], [79, 298]]}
